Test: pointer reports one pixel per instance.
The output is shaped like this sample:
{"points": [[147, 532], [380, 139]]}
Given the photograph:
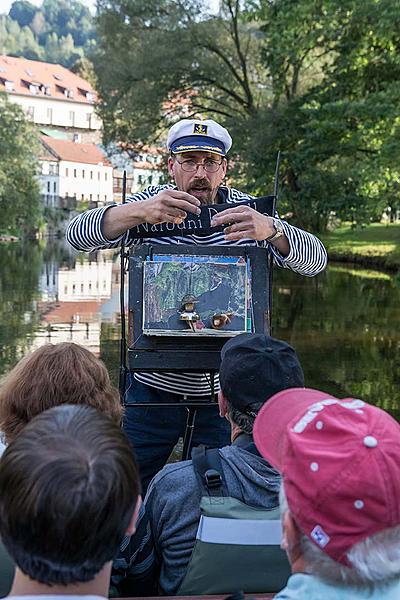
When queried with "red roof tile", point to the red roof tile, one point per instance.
{"points": [[46, 79], [75, 152]]}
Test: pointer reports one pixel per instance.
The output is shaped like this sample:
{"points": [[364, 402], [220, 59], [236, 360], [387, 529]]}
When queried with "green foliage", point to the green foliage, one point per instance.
{"points": [[320, 80], [377, 245], [59, 31], [156, 59], [19, 189]]}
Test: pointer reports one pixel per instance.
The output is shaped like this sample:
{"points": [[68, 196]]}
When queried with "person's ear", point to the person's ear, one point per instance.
{"points": [[223, 408], [171, 165], [224, 167], [132, 523]]}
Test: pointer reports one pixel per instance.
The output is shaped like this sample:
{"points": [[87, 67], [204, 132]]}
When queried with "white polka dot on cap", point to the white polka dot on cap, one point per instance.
{"points": [[370, 441]]}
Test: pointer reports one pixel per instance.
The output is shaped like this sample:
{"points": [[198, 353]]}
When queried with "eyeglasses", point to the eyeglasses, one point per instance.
{"points": [[209, 165]]}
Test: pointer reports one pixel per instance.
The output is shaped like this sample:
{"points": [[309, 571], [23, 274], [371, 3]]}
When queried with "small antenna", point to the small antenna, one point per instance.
{"points": [[122, 354], [276, 179], [274, 204]]}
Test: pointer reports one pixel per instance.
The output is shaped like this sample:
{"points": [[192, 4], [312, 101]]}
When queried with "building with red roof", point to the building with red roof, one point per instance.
{"points": [[72, 172], [52, 96]]}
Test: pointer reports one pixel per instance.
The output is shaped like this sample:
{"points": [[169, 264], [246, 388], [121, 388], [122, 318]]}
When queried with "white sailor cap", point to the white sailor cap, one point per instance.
{"points": [[190, 135]]}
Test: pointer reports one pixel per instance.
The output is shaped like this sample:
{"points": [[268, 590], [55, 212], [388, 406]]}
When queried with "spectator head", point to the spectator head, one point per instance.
{"points": [[340, 465], [52, 375], [69, 491], [253, 368]]}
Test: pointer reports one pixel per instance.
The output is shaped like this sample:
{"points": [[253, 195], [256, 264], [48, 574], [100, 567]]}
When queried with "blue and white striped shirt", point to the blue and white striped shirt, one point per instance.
{"points": [[307, 256]]}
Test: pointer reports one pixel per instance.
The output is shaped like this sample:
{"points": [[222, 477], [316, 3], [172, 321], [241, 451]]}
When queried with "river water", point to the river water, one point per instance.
{"points": [[344, 323]]}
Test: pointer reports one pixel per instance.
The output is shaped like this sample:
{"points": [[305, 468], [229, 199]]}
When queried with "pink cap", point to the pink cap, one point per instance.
{"points": [[340, 461]]}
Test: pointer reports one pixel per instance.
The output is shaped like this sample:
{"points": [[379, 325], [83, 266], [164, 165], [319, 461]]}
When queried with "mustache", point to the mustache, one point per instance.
{"points": [[200, 183]]}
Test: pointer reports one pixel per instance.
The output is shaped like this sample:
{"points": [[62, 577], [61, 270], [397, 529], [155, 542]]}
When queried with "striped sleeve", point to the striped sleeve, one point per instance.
{"points": [[85, 231], [307, 254]]}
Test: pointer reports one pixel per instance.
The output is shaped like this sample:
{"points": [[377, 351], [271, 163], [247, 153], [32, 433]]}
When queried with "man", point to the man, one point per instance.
{"points": [[340, 503], [198, 165], [253, 368], [69, 493]]}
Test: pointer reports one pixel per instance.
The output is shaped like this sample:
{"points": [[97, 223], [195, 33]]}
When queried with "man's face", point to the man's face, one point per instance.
{"points": [[199, 183]]}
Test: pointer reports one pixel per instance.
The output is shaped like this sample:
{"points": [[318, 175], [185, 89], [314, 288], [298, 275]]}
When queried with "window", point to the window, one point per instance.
{"points": [[81, 288], [30, 112], [98, 197], [91, 174], [73, 288], [50, 115], [98, 175], [48, 186], [83, 197], [74, 172], [65, 289], [72, 117], [91, 197], [9, 85], [66, 172], [105, 197], [54, 187], [105, 176], [83, 173]]}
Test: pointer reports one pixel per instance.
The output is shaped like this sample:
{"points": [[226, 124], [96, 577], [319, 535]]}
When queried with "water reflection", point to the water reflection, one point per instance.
{"points": [[344, 323]]}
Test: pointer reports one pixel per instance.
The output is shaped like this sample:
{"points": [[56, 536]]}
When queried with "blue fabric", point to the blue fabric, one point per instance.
{"points": [[153, 432], [308, 587]]}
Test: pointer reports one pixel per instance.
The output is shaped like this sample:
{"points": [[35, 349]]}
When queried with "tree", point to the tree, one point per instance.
{"points": [[178, 59], [23, 12], [335, 71], [60, 31], [317, 79], [19, 190]]}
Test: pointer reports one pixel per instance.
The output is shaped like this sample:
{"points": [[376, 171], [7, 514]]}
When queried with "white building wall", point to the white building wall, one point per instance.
{"points": [[144, 177], [51, 111], [86, 182], [49, 182]]}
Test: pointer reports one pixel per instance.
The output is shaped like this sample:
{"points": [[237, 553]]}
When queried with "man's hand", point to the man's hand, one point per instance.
{"points": [[168, 206], [244, 222]]}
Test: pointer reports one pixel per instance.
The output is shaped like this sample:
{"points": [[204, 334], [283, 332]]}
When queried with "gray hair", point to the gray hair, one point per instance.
{"points": [[242, 420], [375, 560]]}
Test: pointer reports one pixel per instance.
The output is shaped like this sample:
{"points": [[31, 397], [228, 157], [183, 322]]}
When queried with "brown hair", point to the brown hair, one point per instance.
{"points": [[55, 374], [69, 484]]}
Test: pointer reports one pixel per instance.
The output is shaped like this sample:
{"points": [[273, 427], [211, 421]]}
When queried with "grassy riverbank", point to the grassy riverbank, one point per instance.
{"points": [[377, 245]]}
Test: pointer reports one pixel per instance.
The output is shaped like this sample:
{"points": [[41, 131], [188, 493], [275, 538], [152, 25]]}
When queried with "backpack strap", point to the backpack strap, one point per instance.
{"points": [[209, 472]]}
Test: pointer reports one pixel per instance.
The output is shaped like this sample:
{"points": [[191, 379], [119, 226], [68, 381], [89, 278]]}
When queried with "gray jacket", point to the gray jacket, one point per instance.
{"points": [[172, 504]]}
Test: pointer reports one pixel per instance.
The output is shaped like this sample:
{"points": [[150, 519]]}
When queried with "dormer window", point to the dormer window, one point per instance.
{"points": [[8, 84], [90, 97], [33, 88]]}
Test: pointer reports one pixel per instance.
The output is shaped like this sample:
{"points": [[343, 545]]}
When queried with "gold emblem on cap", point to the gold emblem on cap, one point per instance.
{"points": [[200, 128]]}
